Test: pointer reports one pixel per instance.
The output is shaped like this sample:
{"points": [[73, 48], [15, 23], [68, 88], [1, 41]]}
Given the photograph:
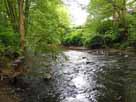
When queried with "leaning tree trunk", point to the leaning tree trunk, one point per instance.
{"points": [[21, 25]]}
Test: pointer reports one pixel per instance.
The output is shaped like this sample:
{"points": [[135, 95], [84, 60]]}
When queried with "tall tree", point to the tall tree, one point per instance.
{"points": [[115, 10], [21, 24], [18, 12], [47, 25], [26, 13], [12, 12]]}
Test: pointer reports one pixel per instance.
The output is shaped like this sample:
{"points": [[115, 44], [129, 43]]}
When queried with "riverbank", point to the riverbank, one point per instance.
{"points": [[7, 93], [126, 51], [9, 72]]}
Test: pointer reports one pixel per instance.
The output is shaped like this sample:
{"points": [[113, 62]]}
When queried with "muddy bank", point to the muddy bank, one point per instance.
{"points": [[7, 92]]}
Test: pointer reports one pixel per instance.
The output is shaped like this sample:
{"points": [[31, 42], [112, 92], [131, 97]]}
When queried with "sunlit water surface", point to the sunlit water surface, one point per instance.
{"points": [[85, 76]]}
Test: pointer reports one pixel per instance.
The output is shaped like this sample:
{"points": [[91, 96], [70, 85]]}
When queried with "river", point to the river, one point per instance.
{"points": [[85, 76]]}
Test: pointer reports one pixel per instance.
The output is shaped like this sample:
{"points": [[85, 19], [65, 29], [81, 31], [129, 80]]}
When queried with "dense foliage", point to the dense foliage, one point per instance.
{"points": [[113, 20], [43, 25], [111, 23], [9, 39], [28, 27], [48, 21], [73, 37]]}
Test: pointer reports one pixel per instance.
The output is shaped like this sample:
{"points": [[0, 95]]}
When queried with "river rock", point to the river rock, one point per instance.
{"points": [[126, 56], [84, 57], [89, 62]]}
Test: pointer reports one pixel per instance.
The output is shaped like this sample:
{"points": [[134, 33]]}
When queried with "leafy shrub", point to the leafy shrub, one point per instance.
{"points": [[2, 48], [110, 37], [104, 26], [9, 44], [108, 41], [73, 39], [95, 41], [132, 30]]}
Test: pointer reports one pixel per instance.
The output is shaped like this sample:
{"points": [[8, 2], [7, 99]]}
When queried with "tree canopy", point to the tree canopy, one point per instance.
{"points": [[43, 25]]}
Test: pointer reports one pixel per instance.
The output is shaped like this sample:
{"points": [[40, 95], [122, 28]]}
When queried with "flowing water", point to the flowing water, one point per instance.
{"points": [[85, 76]]}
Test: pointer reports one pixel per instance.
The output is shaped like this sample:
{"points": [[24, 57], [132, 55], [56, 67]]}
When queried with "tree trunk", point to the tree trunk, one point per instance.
{"points": [[114, 12], [124, 22], [21, 25], [12, 13], [26, 13]]}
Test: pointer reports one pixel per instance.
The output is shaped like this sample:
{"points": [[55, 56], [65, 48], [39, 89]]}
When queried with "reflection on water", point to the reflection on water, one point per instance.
{"points": [[80, 81], [78, 98], [87, 77]]}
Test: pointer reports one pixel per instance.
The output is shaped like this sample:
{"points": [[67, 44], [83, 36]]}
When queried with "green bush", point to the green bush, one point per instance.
{"points": [[108, 41], [73, 39], [94, 41], [132, 30], [104, 26], [9, 44], [10, 39], [2, 49], [110, 37]]}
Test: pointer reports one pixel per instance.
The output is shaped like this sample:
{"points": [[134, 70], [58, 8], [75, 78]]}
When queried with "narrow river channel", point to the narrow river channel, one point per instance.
{"points": [[86, 76]]}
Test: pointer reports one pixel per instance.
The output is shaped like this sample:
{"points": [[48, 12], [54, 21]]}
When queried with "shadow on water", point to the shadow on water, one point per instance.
{"points": [[84, 77]]}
